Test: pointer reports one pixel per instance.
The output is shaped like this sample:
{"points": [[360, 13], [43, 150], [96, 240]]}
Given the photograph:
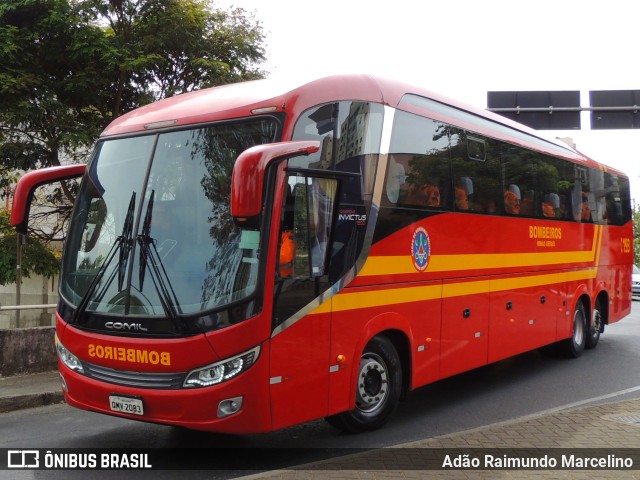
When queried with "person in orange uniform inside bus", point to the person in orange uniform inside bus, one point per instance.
{"points": [[464, 189], [585, 213], [550, 204], [287, 253], [512, 200], [428, 195]]}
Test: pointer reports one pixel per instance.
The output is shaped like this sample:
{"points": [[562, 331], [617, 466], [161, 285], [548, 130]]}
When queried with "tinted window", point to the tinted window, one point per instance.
{"points": [[350, 134], [475, 166], [616, 196], [418, 173], [187, 252]]}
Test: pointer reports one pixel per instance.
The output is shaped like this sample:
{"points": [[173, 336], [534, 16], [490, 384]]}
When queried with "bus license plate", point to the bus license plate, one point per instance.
{"points": [[126, 405]]}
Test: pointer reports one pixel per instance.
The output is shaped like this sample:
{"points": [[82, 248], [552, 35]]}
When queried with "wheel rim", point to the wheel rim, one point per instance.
{"points": [[578, 328], [373, 383]]}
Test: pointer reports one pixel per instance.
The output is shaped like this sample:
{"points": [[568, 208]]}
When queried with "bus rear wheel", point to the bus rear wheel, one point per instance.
{"points": [[595, 327], [378, 388], [573, 346]]}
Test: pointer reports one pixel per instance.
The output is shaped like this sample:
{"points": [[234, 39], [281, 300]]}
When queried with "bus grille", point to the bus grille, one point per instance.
{"points": [[160, 381]]}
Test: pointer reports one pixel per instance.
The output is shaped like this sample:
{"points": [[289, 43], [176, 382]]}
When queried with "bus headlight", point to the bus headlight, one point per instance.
{"points": [[68, 358], [222, 371]]}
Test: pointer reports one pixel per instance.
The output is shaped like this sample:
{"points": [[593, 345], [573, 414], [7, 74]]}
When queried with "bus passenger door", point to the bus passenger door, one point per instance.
{"points": [[299, 364], [465, 326]]}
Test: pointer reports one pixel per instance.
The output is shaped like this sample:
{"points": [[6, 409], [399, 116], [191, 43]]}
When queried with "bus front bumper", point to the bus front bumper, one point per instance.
{"points": [[240, 405]]}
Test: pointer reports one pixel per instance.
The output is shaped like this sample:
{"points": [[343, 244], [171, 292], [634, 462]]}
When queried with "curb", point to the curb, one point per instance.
{"points": [[29, 391], [20, 402]]}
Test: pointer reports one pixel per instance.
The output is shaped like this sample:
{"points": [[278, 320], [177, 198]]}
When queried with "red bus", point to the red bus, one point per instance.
{"points": [[253, 256]]}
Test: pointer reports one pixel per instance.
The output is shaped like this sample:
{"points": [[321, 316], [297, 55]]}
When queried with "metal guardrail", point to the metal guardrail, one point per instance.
{"points": [[27, 307]]}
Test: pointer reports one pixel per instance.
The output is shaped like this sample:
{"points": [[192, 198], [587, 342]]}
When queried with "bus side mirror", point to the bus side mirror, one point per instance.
{"points": [[23, 195], [247, 179]]}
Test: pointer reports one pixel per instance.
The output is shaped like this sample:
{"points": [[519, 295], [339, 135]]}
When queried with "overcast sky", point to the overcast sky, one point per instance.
{"points": [[466, 48]]}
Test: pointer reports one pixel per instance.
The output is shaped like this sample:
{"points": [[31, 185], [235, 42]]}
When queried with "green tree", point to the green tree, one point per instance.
{"points": [[68, 67], [36, 258], [159, 48], [47, 91]]}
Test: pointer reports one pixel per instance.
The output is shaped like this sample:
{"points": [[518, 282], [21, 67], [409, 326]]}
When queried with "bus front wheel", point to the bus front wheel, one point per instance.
{"points": [[378, 388]]}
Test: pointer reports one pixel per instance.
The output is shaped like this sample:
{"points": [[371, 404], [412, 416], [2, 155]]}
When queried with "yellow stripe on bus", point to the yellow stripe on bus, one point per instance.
{"points": [[403, 264], [385, 265], [599, 231], [380, 298], [393, 296]]}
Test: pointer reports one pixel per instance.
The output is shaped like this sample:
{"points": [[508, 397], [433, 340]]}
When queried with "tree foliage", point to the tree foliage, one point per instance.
{"points": [[36, 258], [45, 89], [159, 48], [69, 67]]}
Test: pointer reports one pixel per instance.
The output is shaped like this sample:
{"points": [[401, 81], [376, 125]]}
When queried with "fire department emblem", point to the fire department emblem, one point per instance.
{"points": [[421, 249]]}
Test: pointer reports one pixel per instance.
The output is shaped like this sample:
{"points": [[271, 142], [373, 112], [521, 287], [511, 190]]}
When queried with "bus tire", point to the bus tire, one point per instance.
{"points": [[595, 327], [573, 346], [378, 388]]}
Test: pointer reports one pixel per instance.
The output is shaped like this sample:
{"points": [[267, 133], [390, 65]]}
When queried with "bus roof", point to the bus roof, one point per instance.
{"points": [[253, 97]]}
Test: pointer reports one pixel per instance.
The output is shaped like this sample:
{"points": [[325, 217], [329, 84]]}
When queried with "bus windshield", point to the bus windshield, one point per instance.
{"points": [[152, 232]]}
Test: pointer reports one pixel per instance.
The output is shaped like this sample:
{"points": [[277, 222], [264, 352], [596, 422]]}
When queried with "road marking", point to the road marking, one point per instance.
{"points": [[525, 418], [569, 406]]}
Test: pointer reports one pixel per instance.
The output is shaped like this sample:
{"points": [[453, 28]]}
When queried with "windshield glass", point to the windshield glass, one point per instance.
{"points": [[152, 232]]}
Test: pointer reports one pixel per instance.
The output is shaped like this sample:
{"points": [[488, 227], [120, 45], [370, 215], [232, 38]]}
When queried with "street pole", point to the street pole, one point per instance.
{"points": [[18, 276]]}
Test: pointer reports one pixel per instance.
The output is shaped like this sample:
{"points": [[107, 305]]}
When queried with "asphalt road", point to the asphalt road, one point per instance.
{"points": [[516, 387]]}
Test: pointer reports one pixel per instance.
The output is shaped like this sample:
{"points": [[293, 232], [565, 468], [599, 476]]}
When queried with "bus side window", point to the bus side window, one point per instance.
{"points": [[306, 226], [475, 165], [420, 147], [306, 233], [396, 178], [616, 194]]}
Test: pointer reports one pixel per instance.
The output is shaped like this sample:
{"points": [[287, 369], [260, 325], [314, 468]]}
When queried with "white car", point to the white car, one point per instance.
{"points": [[635, 281]]}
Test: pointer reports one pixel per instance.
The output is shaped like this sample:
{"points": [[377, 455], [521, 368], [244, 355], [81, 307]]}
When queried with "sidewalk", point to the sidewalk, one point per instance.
{"points": [[614, 425], [29, 391]]}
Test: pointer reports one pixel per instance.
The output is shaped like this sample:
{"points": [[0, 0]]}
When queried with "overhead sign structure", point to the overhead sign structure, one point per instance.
{"points": [[614, 109], [560, 110], [541, 110]]}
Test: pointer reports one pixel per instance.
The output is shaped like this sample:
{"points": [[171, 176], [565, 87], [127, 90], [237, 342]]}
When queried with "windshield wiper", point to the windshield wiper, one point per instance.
{"points": [[123, 244], [149, 256]]}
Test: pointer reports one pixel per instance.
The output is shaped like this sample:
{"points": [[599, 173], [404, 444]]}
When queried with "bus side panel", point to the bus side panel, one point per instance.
{"points": [[522, 319], [299, 371], [619, 258], [575, 289], [621, 288], [418, 319], [465, 328]]}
